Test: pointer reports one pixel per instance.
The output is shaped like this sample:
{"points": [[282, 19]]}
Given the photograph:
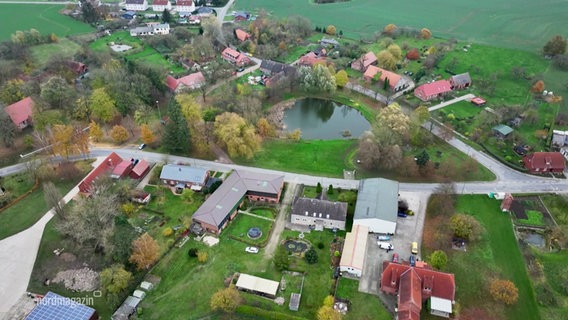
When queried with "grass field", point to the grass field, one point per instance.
{"points": [[363, 306], [64, 47], [523, 25], [44, 18]]}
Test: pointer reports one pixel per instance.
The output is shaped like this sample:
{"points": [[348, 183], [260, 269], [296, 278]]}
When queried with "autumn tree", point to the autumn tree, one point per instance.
{"points": [[102, 105], [176, 138], [538, 87], [57, 93], [202, 256], [390, 29], [369, 153], [119, 134], [504, 291], [341, 78], [295, 135], [226, 300], [413, 54], [53, 199], [438, 259], [395, 51], [145, 251], [420, 115], [317, 78], [392, 125], [265, 128], [11, 91], [326, 311], [95, 131], [554, 46], [330, 30], [67, 140], [115, 279], [236, 135], [425, 33], [386, 60], [466, 227], [146, 134]]}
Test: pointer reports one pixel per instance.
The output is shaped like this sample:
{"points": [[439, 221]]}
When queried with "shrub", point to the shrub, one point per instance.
{"points": [[202, 256], [167, 232], [192, 252], [320, 245], [504, 291], [311, 256]]}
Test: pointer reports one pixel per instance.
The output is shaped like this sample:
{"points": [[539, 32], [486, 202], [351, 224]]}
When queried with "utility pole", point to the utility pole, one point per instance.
{"points": [[158, 107]]}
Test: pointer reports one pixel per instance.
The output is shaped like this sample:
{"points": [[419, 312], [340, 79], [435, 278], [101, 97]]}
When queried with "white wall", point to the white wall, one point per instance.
{"points": [[377, 225], [353, 271]]}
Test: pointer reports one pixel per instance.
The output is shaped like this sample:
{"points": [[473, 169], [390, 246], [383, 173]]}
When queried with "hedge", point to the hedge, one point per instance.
{"points": [[265, 314]]}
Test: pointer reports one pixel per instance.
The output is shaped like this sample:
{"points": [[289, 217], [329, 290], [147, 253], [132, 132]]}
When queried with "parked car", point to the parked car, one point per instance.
{"points": [[251, 249], [402, 214], [337, 273], [142, 146], [414, 248], [240, 69], [383, 237], [395, 257], [385, 245], [412, 261]]}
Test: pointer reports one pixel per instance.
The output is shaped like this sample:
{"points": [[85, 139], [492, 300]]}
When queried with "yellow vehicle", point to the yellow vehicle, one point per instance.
{"points": [[414, 248]]}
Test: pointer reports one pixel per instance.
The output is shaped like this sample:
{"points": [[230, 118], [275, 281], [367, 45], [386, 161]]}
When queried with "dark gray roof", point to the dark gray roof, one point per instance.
{"points": [[274, 67], [461, 79], [222, 202], [307, 207], [126, 309], [183, 173], [377, 198]]}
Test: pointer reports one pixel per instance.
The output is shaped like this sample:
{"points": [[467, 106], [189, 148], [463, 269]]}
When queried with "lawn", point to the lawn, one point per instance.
{"points": [[556, 278], [64, 47], [264, 212], [534, 218], [44, 18], [319, 157], [523, 26], [496, 255], [461, 110], [363, 305], [241, 226]]}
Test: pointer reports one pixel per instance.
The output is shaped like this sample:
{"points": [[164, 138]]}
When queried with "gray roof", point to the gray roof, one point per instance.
{"points": [[134, 1], [377, 198], [183, 173], [461, 79], [329, 41], [126, 309], [502, 129], [223, 201], [276, 67], [335, 210]]}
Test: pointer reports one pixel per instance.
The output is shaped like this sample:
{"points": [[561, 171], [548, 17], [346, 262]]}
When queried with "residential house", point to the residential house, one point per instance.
{"points": [[123, 169], [54, 306], [259, 286], [329, 42], [377, 205], [104, 168], [189, 64], [310, 59], [128, 15], [204, 11], [559, 138], [460, 81], [190, 82], [433, 90], [241, 16], [151, 28], [364, 62], [543, 162], [396, 83], [184, 176], [242, 35], [354, 249], [77, 67], [161, 5], [140, 169], [319, 213], [320, 52], [274, 71], [501, 130], [21, 112], [221, 207], [136, 5], [193, 20], [185, 6], [416, 285], [235, 57]]}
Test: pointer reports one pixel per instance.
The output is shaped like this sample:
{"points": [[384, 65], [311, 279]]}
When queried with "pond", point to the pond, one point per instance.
{"points": [[325, 120]]}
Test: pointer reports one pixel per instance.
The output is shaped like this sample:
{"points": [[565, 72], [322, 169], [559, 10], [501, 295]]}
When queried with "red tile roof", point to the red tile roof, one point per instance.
{"points": [[140, 168], [193, 80], [20, 111], [364, 62], [106, 166], [435, 88], [242, 35], [385, 74], [410, 295], [160, 2], [310, 59], [544, 162], [122, 169], [184, 3]]}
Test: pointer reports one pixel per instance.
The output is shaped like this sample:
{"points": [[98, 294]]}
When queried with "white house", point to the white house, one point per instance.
{"points": [[354, 249], [161, 5], [377, 205], [152, 28], [185, 6], [136, 5]]}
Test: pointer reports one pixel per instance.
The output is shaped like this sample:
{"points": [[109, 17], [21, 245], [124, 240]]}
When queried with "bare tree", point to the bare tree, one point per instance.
{"points": [[54, 199]]}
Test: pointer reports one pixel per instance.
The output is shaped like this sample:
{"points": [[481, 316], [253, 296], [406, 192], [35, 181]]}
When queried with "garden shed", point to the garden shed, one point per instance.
{"points": [[502, 130], [256, 285]]}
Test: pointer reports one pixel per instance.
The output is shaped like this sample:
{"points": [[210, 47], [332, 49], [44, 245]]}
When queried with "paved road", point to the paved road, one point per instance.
{"points": [[468, 96], [280, 222], [222, 11]]}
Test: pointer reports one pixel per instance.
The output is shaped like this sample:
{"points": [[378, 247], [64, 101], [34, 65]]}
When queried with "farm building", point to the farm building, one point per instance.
{"points": [[460, 81], [221, 207], [364, 61], [190, 82], [21, 112], [377, 205], [354, 249], [105, 167], [434, 90], [184, 176], [140, 170], [415, 285], [319, 213], [54, 306], [540, 162], [395, 82], [136, 5], [260, 286]]}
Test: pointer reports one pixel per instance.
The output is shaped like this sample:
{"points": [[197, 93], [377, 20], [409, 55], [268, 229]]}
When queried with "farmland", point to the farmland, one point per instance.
{"points": [[44, 18], [523, 25]]}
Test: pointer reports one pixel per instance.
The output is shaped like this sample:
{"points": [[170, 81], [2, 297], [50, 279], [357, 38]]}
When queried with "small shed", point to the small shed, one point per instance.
{"points": [[502, 130], [127, 309], [147, 285], [477, 101], [256, 285]]}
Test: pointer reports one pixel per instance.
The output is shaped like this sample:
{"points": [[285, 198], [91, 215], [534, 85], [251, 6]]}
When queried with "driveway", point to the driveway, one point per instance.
{"points": [[280, 221]]}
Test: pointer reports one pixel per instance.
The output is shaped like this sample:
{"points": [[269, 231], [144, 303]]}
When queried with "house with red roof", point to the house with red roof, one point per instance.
{"points": [[242, 35], [21, 112], [395, 81], [434, 90], [416, 285], [311, 58], [233, 56], [77, 67], [364, 62], [185, 6], [161, 5], [540, 162], [122, 169], [104, 168], [140, 170], [190, 82]]}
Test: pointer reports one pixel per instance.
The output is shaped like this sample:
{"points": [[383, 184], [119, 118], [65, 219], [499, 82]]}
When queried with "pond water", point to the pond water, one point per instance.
{"points": [[325, 120]]}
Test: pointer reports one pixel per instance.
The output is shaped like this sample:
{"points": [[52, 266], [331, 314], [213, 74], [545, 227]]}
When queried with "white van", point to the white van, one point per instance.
{"points": [[385, 245]]}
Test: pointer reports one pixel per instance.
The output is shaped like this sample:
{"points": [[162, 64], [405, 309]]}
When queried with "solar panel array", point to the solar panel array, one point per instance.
{"points": [[56, 307]]}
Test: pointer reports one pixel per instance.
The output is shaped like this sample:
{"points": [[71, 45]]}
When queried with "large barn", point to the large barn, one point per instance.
{"points": [[377, 205]]}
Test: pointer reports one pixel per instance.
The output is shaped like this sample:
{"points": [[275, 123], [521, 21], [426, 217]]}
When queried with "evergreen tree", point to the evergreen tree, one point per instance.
{"points": [[176, 138], [319, 188], [166, 16], [311, 256], [330, 189]]}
